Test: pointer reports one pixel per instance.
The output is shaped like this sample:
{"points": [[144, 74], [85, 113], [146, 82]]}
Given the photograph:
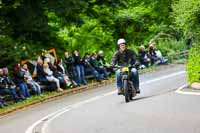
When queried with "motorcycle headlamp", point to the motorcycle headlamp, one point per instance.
{"points": [[124, 69]]}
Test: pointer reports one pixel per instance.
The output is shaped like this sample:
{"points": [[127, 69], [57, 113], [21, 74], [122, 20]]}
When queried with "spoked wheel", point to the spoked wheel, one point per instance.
{"points": [[126, 91]]}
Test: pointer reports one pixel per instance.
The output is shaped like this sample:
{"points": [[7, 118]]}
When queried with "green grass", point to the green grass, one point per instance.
{"points": [[27, 101]]}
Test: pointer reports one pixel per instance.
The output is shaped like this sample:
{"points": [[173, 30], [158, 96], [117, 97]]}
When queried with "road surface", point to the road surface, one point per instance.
{"points": [[158, 109]]}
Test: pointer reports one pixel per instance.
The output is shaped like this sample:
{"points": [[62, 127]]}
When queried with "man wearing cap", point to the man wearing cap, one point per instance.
{"points": [[124, 57]]}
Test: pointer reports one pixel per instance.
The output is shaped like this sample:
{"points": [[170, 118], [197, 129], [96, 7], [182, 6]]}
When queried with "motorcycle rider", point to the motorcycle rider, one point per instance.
{"points": [[125, 57]]}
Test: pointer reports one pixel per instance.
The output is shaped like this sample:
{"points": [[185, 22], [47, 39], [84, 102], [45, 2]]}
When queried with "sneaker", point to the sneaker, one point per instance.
{"points": [[60, 90]]}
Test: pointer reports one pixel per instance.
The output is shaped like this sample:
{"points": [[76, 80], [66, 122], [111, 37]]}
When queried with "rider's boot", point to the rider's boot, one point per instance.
{"points": [[119, 91], [138, 90]]}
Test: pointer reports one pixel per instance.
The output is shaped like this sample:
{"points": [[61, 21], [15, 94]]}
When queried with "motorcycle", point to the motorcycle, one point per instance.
{"points": [[128, 89]]}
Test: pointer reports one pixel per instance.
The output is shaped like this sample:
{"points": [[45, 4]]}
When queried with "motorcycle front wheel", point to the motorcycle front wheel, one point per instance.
{"points": [[126, 91]]}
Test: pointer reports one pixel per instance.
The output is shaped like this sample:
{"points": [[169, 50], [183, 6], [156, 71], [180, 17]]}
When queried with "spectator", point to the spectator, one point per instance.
{"points": [[143, 57], [29, 80], [2, 103], [156, 56], [79, 68], [102, 62], [51, 86], [100, 58], [50, 77], [56, 73], [40, 72], [99, 68], [19, 80], [9, 86], [90, 69], [61, 70], [70, 66]]}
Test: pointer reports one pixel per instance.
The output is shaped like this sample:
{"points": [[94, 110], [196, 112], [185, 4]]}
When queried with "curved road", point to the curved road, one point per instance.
{"points": [[158, 109]]}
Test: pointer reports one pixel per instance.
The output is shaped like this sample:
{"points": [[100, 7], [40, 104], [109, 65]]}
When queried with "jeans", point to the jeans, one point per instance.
{"points": [[24, 89], [134, 76], [95, 73], [104, 71], [13, 94], [11, 91], [36, 87], [81, 74]]}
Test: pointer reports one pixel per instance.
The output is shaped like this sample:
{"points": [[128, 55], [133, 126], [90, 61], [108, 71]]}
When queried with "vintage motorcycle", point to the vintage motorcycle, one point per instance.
{"points": [[128, 89]]}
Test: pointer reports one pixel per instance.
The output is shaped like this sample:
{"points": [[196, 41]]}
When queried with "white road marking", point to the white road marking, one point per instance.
{"points": [[47, 119], [186, 92]]}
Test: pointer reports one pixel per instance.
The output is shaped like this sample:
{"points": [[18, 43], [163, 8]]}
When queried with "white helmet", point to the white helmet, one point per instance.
{"points": [[120, 41]]}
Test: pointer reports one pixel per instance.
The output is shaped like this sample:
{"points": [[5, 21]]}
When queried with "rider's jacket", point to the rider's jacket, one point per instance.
{"points": [[124, 58]]}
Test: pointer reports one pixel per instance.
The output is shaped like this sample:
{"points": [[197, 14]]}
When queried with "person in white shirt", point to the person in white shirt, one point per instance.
{"points": [[50, 77]]}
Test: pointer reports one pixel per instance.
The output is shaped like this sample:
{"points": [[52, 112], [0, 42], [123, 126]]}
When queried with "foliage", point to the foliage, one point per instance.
{"points": [[193, 65], [171, 47], [91, 25], [187, 17]]}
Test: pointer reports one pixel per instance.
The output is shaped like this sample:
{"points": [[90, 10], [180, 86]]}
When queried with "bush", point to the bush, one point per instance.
{"points": [[193, 65], [170, 47]]}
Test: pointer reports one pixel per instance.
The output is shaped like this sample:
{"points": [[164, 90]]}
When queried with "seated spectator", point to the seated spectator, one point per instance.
{"points": [[102, 62], [162, 60], [61, 70], [19, 80], [152, 54], [29, 80], [51, 86], [79, 68], [143, 57], [56, 73], [101, 69], [9, 86], [40, 72], [90, 69], [2, 103], [156, 56], [50, 77], [70, 67]]}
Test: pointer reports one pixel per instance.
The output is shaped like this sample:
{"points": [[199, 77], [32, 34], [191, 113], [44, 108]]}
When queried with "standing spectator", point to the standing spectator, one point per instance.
{"points": [[79, 68], [99, 68], [51, 78], [143, 57], [19, 80], [9, 85], [29, 80], [70, 66]]}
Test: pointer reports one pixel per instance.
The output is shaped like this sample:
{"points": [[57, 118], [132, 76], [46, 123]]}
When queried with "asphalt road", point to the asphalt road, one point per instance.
{"points": [[158, 109]]}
